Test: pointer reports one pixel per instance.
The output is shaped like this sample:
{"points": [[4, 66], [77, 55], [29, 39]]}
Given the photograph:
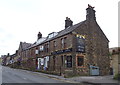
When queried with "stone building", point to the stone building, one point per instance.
{"points": [[115, 60], [4, 59], [23, 53], [74, 49], [80, 49]]}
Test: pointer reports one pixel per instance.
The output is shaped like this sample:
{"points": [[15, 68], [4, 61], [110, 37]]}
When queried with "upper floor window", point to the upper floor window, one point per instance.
{"points": [[36, 51], [54, 43], [48, 44], [46, 47], [53, 34], [41, 48], [63, 42]]}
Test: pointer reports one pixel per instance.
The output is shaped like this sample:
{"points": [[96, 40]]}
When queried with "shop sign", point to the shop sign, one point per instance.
{"points": [[68, 50], [54, 53], [80, 43], [61, 51]]}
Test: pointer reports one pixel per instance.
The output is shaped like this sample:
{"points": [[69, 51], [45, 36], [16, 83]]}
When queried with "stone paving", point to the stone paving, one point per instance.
{"points": [[94, 79], [90, 79]]}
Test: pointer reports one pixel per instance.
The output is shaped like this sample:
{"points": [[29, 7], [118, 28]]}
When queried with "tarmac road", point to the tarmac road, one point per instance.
{"points": [[12, 76]]}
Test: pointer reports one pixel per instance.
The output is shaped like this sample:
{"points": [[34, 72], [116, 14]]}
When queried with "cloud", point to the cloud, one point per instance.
{"points": [[21, 20]]}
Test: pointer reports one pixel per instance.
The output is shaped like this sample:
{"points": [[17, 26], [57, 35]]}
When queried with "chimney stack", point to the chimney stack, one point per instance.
{"points": [[39, 35], [90, 13], [68, 22]]}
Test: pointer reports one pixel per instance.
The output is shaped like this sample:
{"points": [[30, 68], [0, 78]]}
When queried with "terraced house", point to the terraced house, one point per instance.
{"points": [[80, 49]]}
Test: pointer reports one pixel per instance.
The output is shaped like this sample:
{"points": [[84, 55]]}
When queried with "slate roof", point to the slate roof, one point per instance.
{"points": [[38, 42], [60, 33], [65, 31]]}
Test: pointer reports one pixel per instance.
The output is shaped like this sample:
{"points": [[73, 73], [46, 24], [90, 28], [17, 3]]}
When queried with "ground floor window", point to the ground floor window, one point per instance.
{"points": [[69, 61], [80, 60], [62, 59]]}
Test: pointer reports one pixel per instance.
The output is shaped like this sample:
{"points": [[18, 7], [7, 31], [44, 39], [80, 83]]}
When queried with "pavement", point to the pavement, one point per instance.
{"points": [[85, 79]]}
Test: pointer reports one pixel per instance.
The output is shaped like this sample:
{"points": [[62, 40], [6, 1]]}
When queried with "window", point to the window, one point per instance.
{"points": [[69, 61], [48, 44], [41, 48], [55, 44], [46, 48], [80, 60], [62, 60], [63, 42], [36, 51]]}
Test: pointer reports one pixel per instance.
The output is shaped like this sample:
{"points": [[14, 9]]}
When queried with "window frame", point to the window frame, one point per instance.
{"points": [[81, 56], [67, 61], [63, 42]]}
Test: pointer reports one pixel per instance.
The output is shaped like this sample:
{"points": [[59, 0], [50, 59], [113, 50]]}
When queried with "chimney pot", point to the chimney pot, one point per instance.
{"points": [[39, 35], [68, 22], [90, 13]]}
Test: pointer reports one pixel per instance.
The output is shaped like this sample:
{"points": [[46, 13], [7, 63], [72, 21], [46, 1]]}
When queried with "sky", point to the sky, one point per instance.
{"points": [[21, 20]]}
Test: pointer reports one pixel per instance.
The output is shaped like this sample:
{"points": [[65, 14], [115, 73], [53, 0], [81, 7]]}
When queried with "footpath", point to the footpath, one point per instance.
{"points": [[86, 79]]}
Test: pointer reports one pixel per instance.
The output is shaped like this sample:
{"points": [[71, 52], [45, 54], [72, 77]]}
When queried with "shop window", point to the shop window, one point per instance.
{"points": [[80, 60], [69, 61]]}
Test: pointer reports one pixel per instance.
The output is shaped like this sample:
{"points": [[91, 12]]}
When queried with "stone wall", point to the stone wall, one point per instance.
{"points": [[97, 49]]}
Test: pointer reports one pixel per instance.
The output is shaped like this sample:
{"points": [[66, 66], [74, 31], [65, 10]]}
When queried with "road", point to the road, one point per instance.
{"points": [[0, 74], [10, 75]]}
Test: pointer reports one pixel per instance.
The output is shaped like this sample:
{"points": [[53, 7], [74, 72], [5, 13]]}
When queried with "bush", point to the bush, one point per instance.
{"points": [[117, 77]]}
